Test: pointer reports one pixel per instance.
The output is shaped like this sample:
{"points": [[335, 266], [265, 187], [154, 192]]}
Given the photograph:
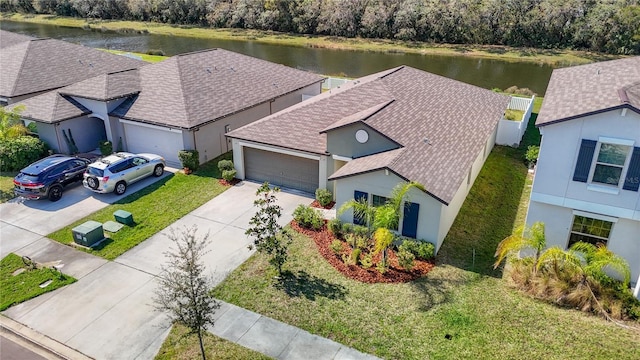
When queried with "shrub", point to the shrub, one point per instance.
{"points": [[406, 259], [355, 257], [336, 246], [228, 175], [189, 159], [367, 261], [106, 148], [363, 242], [33, 127], [360, 230], [347, 228], [324, 197], [335, 227], [156, 52], [351, 240], [421, 249], [307, 217], [532, 154], [225, 165], [17, 153]]}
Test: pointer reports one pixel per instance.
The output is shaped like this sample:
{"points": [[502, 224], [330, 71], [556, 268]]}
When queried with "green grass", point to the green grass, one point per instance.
{"points": [[6, 185], [25, 286], [180, 345], [144, 57], [154, 208], [554, 57], [462, 309]]}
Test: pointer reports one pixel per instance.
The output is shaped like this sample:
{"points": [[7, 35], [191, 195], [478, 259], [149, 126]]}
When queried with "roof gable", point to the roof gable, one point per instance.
{"points": [[106, 87], [50, 107], [8, 38]]}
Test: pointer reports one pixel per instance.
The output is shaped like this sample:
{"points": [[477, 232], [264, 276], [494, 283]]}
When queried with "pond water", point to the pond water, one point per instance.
{"points": [[487, 73]]}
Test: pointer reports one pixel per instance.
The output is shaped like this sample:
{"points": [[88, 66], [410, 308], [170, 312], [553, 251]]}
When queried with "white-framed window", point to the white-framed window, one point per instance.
{"points": [[590, 230], [610, 163]]}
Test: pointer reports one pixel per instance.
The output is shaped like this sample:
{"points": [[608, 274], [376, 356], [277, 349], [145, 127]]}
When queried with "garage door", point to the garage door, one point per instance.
{"points": [[280, 169], [142, 139]]}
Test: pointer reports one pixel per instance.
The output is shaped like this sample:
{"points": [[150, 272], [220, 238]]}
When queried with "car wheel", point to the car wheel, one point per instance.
{"points": [[55, 193], [158, 170], [92, 182], [121, 187]]}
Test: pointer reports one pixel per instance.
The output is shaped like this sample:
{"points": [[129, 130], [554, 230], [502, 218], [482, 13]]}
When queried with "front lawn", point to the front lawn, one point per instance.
{"points": [[6, 185], [26, 285], [154, 208], [181, 345]]}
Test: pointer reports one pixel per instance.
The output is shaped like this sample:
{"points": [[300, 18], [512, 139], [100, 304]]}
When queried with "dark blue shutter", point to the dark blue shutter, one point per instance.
{"points": [[358, 196], [632, 180], [585, 158]]}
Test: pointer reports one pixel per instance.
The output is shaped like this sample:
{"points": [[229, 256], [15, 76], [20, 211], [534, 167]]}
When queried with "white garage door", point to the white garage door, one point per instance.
{"points": [[142, 139], [280, 169]]}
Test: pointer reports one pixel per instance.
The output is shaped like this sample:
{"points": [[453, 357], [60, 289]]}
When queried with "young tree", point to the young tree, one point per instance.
{"points": [[184, 291], [269, 237], [523, 238]]}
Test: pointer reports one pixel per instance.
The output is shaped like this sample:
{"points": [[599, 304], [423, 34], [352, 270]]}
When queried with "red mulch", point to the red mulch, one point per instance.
{"points": [[395, 274], [224, 182], [316, 204]]}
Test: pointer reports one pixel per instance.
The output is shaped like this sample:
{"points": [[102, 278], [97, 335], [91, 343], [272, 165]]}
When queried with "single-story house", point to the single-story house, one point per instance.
{"points": [[362, 139], [587, 180], [188, 101], [32, 66]]}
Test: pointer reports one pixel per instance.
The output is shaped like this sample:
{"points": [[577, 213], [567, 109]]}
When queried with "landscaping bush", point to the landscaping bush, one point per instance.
{"points": [[351, 240], [155, 52], [33, 127], [367, 261], [17, 153], [324, 197], [532, 155], [335, 227], [307, 217], [229, 175], [421, 249], [225, 165], [189, 159], [354, 258], [336, 246], [406, 259], [361, 231], [347, 228], [106, 148]]}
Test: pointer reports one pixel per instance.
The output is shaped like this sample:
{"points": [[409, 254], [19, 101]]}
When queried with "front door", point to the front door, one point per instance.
{"points": [[410, 219]]}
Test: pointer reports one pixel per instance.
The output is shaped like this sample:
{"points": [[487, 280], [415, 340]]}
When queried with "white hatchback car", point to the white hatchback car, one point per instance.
{"points": [[116, 171]]}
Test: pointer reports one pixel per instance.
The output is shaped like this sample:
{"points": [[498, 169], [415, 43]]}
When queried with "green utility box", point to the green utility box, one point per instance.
{"points": [[123, 217], [88, 234]]}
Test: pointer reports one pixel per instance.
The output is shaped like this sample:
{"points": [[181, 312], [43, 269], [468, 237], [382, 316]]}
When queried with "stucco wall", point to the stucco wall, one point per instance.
{"points": [[343, 142], [47, 133], [87, 133], [379, 183]]}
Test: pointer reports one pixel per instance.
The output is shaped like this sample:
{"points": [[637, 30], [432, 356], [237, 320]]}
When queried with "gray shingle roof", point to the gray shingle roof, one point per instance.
{"points": [[582, 90], [8, 38], [442, 125], [191, 89], [106, 87], [46, 64], [50, 107]]}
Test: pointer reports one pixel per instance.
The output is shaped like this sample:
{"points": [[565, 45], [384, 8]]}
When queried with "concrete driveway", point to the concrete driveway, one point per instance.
{"points": [[108, 313]]}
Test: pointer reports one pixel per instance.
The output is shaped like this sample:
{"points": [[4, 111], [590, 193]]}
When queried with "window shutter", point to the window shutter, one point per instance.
{"points": [[632, 180], [585, 157]]}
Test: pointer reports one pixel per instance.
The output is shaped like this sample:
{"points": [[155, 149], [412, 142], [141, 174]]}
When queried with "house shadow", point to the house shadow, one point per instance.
{"points": [[301, 284]]}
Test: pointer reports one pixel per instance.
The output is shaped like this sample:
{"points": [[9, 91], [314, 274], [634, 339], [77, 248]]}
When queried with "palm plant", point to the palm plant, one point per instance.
{"points": [[523, 238], [361, 209], [10, 125]]}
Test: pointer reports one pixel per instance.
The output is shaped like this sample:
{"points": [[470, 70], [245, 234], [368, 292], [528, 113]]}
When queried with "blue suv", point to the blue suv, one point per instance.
{"points": [[47, 177]]}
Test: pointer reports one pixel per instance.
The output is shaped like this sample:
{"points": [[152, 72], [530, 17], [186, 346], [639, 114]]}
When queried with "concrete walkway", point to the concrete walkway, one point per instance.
{"points": [[108, 312]]}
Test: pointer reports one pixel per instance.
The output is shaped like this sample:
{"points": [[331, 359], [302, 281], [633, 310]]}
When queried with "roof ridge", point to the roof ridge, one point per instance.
{"points": [[196, 52], [182, 94], [24, 56]]}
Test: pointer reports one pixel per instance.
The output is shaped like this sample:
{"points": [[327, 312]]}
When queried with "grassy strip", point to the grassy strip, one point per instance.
{"points": [[6, 185], [553, 57], [181, 345], [144, 57], [25, 286], [154, 208]]}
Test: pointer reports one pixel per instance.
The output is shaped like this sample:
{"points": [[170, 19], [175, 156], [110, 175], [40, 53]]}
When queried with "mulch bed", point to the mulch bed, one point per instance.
{"points": [[316, 204], [395, 274], [224, 182]]}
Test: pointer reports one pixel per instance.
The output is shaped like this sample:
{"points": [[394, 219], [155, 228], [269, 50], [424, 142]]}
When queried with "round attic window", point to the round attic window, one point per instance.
{"points": [[362, 136]]}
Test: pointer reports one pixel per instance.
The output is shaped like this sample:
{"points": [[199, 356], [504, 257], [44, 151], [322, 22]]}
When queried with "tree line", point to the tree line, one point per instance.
{"points": [[609, 26]]}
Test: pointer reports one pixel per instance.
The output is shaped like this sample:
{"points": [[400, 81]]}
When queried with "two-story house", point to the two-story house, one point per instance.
{"points": [[362, 139], [588, 172]]}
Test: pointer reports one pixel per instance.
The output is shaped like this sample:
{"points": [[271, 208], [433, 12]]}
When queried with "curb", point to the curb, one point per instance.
{"points": [[38, 342]]}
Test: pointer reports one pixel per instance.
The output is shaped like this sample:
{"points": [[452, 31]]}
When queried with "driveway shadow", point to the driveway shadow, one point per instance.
{"points": [[311, 287]]}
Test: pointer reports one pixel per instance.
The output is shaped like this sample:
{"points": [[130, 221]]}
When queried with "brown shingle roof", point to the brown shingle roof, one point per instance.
{"points": [[191, 89], [46, 64], [441, 123], [50, 107], [586, 89], [8, 38], [106, 87]]}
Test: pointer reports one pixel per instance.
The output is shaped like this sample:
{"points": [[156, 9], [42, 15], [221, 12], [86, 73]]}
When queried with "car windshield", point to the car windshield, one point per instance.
{"points": [[95, 171]]}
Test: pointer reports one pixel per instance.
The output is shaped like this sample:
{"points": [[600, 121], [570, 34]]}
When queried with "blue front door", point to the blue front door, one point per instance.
{"points": [[410, 220], [360, 196]]}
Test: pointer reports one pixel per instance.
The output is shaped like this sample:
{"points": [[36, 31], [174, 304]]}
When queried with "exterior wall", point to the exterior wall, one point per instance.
{"points": [[87, 133], [624, 239], [343, 142], [379, 183], [48, 134], [295, 97]]}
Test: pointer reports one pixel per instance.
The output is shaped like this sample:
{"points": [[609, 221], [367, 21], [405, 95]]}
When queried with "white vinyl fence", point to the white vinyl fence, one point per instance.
{"points": [[333, 82], [510, 131]]}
